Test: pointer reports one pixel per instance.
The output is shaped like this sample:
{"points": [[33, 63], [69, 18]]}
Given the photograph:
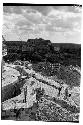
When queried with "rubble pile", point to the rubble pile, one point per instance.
{"points": [[57, 100]]}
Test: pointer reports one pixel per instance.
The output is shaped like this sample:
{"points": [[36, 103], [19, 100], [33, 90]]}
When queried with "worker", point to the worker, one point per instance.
{"points": [[66, 93], [25, 94], [59, 90]]}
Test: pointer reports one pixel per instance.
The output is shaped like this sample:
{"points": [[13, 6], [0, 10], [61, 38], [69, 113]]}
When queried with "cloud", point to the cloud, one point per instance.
{"points": [[9, 24], [64, 20], [62, 14], [33, 17], [44, 10], [74, 9], [42, 20]]}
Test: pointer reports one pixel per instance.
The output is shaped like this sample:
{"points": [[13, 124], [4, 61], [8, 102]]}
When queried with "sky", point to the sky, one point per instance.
{"points": [[59, 24]]}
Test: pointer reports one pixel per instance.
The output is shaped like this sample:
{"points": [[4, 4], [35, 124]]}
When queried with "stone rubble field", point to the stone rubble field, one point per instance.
{"points": [[33, 80]]}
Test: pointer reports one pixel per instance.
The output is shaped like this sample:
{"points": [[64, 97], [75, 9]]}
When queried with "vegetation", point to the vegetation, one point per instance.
{"points": [[39, 50]]}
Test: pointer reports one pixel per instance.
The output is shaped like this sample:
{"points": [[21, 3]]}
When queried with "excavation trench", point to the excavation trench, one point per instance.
{"points": [[12, 90]]}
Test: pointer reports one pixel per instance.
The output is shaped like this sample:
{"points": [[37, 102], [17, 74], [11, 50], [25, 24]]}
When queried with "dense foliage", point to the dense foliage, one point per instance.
{"points": [[40, 50]]}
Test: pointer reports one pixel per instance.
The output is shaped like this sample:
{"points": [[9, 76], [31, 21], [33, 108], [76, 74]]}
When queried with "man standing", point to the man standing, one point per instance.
{"points": [[66, 93], [25, 94]]}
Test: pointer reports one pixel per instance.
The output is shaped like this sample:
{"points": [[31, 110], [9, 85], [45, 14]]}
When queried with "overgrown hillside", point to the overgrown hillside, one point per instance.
{"points": [[40, 50]]}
